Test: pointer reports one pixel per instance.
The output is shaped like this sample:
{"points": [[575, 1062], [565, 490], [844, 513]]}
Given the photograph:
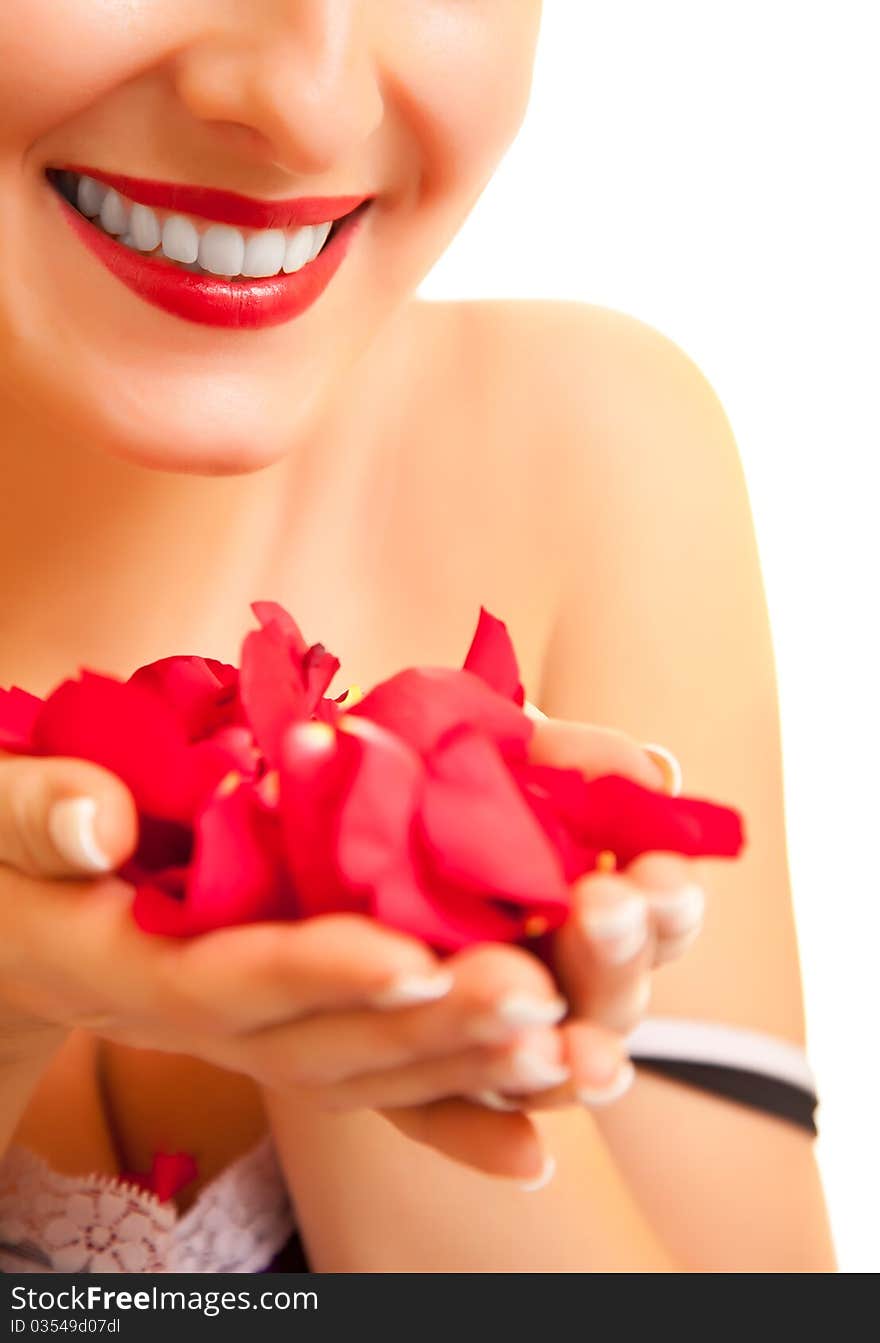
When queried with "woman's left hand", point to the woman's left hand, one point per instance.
{"points": [[623, 924]]}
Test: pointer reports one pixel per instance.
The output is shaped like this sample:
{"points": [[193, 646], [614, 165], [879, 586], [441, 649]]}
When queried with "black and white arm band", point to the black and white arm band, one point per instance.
{"points": [[751, 1067]]}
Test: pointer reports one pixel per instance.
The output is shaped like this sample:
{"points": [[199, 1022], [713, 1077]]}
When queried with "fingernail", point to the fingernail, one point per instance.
{"points": [[519, 1009], [622, 1081], [71, 826], [548, 1170], [621, 928], [668, 766], [493, 1100], [532, 711], [531, 1072], [513, 1012], [410, 990], [681, 911]]}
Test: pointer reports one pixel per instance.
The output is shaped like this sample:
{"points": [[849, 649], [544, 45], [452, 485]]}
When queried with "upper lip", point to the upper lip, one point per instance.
{"points": [[224, 207]]}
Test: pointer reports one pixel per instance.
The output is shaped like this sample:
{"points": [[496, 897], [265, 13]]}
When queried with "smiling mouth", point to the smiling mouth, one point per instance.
{"points": [[193, 243]]}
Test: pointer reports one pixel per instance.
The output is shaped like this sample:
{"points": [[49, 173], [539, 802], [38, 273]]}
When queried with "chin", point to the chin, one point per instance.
{"points": [[182, 456], [209, 427]]}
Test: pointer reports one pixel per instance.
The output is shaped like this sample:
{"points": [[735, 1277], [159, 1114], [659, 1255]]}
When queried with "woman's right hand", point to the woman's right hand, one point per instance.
{"points": [[339, 1009]]}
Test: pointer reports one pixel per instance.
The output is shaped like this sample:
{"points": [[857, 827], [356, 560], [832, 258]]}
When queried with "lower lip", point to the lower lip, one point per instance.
{"points": [[213, 300]]}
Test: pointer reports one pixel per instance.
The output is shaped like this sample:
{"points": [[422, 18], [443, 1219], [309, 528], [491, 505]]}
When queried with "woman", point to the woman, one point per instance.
{"points": [[217, 386]]}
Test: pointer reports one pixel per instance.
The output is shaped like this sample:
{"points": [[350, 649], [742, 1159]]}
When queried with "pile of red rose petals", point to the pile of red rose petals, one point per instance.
{"points": [[262, 798]]}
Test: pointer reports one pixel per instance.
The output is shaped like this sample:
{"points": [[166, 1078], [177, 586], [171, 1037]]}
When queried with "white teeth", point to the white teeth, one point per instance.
{"points": [[320, 232], [145, 232], [264, 254], [217, 250], [299, 248], [180, 241], [89, 196], [114, 215], [221, 250]]}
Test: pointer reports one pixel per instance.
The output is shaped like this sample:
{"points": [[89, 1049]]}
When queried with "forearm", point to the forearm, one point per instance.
{"points": [[369, 1200]]}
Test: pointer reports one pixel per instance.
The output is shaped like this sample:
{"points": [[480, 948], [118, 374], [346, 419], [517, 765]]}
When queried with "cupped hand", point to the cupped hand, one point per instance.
{"points": [[623, 925], [340, 1007]]}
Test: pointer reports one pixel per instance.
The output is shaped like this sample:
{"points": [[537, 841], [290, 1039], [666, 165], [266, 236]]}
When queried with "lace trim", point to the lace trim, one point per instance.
{"points": [[97, 1223]]}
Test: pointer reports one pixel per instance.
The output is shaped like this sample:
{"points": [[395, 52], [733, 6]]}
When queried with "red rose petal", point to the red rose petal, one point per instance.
{"points": [[201, 691], [628, 819], [18, 714], [169, 1172], [272, 690], [131, 732], [492, 657], [314, 774], [557, 798], [159, 904], [441, 916], [268, 613], [479, 830], [386, 777], [316, 666], [422, 703], [236, 875]]}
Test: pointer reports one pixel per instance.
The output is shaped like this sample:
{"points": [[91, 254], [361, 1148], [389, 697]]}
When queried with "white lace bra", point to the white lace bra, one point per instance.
{"points": [[54, 1223]]}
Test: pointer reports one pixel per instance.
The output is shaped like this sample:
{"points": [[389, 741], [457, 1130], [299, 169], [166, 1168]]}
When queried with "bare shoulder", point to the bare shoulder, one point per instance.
{"points": [[583, 389]]}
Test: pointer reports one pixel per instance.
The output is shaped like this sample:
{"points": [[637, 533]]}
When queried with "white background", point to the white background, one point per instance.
{"points": [[713, 167]]}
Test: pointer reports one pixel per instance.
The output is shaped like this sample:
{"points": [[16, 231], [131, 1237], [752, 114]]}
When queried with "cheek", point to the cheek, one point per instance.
{"points": [[461, 88], [57, 56]]}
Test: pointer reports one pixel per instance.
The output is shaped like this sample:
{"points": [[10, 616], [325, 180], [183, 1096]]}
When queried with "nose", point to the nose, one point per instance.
{"points": [[302, 82]]}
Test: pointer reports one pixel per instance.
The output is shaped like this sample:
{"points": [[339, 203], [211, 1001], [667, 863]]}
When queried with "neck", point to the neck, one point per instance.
{"points": [[108, 564]]}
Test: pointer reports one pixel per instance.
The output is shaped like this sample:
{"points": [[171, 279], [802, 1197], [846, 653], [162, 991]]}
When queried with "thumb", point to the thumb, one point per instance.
{"points": [[63, 817]]}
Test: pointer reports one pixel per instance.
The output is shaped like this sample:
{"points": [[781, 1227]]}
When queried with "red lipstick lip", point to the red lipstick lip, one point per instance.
{"points": [[213, 300], [222, 207]]}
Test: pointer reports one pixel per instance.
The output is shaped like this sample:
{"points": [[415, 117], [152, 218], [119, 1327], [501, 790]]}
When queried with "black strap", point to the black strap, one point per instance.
{"points": [[785, 1100]]}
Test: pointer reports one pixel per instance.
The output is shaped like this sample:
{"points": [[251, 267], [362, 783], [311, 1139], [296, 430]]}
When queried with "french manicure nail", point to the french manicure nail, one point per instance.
{"points": [[547, 1172], [521, 1010], [410, 990], [680, 910], [71, 825], [668, 766], [531, 1072], [493, 1100], [621, 928], [622, 1081]]}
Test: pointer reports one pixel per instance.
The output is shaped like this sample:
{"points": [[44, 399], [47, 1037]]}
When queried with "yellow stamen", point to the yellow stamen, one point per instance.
{"points": [[315, 733], [353, 696], [536, 925], [270, 787], [606, 861], [228, 783]]}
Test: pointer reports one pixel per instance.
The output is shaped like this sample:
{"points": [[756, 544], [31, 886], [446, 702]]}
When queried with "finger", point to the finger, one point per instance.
{"points": [[498, 992], [532, 1062], [599, 1073], [62, 817], [593, 751], [496, 1144], [269, 974], [676, 902], [604, 952]]}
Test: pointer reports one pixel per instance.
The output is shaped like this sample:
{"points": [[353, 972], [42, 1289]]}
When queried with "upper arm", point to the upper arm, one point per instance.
{"points": [[663, 631]]}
